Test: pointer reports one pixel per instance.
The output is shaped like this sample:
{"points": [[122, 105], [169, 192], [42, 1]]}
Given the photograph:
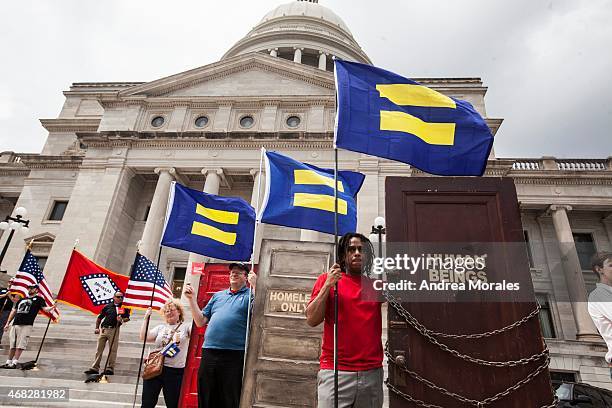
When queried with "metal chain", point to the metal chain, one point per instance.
{"points": [[391, 299], [421, 329], [423, 404], [466, 400]]}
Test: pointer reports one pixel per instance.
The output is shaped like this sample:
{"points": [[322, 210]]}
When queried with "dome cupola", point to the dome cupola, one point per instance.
{"points": [[302, 31]]}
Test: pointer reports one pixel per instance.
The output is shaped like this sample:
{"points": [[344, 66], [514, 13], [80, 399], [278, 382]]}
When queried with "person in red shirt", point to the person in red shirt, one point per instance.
{"points": [[360, 351]]}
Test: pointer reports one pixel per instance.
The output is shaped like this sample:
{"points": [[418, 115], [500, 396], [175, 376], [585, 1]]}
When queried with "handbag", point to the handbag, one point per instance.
{"points": [[154, 364]]}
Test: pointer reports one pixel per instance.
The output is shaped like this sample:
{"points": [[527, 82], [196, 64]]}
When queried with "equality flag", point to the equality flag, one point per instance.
{"points": [[209, 225], [30, 273], [301, 195], [89, 286], [383, 114], [146, 282]]}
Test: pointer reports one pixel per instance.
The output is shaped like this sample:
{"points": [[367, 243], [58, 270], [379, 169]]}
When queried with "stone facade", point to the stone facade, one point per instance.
{"points": [[106, 157]]}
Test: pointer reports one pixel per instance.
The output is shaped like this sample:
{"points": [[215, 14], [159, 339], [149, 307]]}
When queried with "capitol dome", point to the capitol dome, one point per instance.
{"points": [[302, 31]]}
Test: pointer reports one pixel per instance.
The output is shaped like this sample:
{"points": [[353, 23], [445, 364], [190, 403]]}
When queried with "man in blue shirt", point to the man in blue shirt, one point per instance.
{"points": [[220, 373]]}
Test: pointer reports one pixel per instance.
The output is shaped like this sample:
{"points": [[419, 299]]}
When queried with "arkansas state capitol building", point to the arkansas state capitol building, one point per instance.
{"points": [[105, 170]]}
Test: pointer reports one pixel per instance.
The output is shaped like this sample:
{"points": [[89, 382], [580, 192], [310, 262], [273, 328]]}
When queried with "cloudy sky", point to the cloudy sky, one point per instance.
{"points": [[547, 63]]}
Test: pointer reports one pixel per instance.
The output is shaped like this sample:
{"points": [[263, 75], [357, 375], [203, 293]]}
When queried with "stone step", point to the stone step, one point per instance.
{"points": [[68, 350], [90, 395]]}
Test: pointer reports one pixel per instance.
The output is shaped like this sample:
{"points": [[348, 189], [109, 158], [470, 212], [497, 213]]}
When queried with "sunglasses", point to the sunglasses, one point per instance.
{"points": [[117, 296]]}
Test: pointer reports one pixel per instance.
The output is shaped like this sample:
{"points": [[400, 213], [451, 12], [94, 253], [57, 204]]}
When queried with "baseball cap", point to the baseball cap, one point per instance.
{"points": [[239, 265]]}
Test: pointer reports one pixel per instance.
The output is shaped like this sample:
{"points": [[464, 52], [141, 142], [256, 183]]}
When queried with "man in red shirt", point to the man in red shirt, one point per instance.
{"points": [[360, 352]]}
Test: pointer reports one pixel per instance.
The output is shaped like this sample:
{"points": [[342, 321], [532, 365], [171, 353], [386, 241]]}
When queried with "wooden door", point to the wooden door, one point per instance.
{"points": [[468, 212], [215, 277], [283, 354]]}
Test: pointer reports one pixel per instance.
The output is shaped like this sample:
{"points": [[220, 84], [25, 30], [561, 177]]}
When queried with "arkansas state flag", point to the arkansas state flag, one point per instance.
{"points": [[89, 286]]}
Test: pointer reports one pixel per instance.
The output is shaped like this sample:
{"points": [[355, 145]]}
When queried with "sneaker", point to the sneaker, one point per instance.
{"points": [[5, 365], [10, 366], [90, 371], [108, 371]]}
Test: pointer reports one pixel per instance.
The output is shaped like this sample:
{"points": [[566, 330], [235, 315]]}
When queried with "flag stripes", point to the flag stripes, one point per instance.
{"points": [[29, 273], [147, 286]]}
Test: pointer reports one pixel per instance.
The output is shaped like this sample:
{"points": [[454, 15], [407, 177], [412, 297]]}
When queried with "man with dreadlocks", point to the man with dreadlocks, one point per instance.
{"points": [[360, 352]]}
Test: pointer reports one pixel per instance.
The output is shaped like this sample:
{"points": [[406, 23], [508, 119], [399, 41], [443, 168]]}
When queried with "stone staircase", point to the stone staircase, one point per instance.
{"points": [[69, 350]]}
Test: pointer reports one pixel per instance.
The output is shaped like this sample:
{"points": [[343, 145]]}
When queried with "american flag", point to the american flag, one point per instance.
{"points": [[29, 273], [145, 279]]}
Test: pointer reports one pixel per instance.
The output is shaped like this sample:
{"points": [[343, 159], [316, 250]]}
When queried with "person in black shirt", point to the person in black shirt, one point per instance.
{"points": [[109, 321], [22, 317], [6, 304]]}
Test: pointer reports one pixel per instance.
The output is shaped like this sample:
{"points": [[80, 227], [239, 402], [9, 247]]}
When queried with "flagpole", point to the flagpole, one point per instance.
{"points": [[144, 342], [336, 241], [33, 365], [257, 222], [336, 285]]}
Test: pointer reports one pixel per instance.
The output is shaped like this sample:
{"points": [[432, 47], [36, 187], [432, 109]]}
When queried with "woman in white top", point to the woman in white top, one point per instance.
{"points": [[177, 331]]}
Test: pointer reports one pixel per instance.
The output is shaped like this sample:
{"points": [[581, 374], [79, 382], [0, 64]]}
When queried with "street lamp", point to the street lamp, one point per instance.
{"points": [[378, 230], [14, 223]]}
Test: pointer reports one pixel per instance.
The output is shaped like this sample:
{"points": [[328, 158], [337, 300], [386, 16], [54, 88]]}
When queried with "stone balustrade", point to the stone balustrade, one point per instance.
{"points": [[552, 163]]}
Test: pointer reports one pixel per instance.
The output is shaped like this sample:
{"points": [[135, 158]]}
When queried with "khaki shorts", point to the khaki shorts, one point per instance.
{"points": [[19, 336]]}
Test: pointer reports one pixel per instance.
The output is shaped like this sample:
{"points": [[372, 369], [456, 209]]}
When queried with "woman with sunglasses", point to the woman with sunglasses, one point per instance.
{"points": [[174, 336]]}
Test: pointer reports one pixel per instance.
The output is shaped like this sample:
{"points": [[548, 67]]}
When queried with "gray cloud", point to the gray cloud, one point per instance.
{"points": [[546, 63]]}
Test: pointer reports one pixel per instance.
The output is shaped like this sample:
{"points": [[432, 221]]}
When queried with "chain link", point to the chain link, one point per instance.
{"points": [[423, 404], [426, 333], [466, 400], [390, 298], [430, 335]]}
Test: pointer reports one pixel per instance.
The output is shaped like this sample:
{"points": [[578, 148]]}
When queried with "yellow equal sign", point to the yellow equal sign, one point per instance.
{"points": [[416, 95], [313, 178], [320, 202], [317, 201], [220, 216]]}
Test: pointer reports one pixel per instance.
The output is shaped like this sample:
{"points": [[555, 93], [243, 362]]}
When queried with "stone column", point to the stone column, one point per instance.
{"points": [[585, 329], [211, 186], [297, 55], [606, 220], [154, 226], [259, 187], [322, 60], [273, 52]]}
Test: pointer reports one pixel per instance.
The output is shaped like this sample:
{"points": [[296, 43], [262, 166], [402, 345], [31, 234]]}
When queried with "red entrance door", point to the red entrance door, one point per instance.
{"points": [[215, 277]]}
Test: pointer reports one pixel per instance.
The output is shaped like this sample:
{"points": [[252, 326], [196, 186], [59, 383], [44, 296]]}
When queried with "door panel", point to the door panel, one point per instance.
{"points": [[476, 214], [283, 354]]}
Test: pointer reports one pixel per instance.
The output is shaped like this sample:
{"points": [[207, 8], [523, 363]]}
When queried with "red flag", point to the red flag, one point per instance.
{"points": [[89, 286]]}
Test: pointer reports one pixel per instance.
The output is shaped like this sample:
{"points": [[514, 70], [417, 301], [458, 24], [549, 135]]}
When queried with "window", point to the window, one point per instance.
{"points": [[293, 121], [559, 377], [585, 248], [546, 321], [157, 121], [178, 281], [201, 121], [528, 245], [247, 122], [58, 210]]}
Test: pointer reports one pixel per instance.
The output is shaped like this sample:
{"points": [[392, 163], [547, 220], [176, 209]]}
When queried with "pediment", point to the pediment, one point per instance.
{"points": [[45, 237], [253, 74]]}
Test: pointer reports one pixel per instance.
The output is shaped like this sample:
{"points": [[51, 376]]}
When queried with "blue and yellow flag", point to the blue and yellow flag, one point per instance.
{"points": [[301, 195], [383, 114], [210, 225]]}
